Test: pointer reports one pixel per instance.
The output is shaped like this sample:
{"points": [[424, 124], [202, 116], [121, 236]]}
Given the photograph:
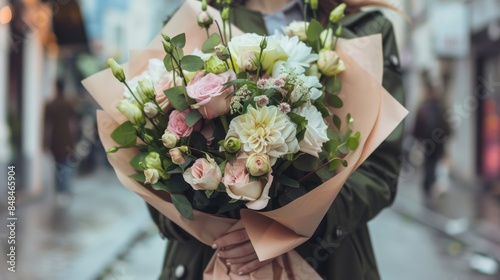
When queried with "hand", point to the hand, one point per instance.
{"points": [[238, 253]]}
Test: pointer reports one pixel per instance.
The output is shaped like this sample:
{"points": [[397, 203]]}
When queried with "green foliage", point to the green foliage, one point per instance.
{"points": [[193, 117], [334, 101], [191, 63], [337, 122], [177, 184], [177, 96], [313, 31], [179, 40], [285, 180], [211, 43], [306, 163], [333, 85], [183, 205], [198, 141], [125, 135], [301, 124], [139, 177], [136, 160]]}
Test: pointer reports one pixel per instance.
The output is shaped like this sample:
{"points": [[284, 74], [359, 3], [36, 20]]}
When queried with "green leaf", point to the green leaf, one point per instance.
{"points": [[342, 148], [198, 141], [200, 200], [287, 181], [208, 193], [192, 63], [331, 148], [231, 205], [333, 85], [337, 121], [125, 135], [314, 30], [177, 184], [299, 120], [306, 163], [159, 186], [182, 204], [353, 141], [136, 160], [321, 106], [193, 117], [167, 62], [211, 43], [334, 165], [344, 162], [179, 40], [325, 173], [334, 101], [177, 96], [139, 177]]}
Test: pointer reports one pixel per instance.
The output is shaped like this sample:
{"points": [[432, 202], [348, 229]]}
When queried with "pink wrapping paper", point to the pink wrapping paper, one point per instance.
{"points": [[274, 234]]}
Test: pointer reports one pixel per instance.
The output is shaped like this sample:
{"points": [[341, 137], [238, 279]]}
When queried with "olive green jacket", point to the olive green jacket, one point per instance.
{"points": [[341, 248]]}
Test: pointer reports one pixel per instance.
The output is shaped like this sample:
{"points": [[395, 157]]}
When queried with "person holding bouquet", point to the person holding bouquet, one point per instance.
{"points": [[341, 246]]}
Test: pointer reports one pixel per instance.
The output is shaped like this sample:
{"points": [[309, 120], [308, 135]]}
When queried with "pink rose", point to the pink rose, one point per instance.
{"points": [[205, 174], [177, 124], [161, 98], [240, 187], [210, 94]]}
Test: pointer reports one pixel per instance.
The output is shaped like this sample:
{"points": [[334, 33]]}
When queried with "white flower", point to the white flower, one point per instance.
{"points": [[150, 110], [312, 82], [299, 54], [152, 176], [239, 47], [265, 130], [315, 134]]}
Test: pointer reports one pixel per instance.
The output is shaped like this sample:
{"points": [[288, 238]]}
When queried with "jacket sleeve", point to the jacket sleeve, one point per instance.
{"points": [[372, 187]]}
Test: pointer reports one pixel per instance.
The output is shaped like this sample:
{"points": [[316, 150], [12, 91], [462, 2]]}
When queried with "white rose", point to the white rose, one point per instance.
{"points": [[315, 134], [329, 63]]}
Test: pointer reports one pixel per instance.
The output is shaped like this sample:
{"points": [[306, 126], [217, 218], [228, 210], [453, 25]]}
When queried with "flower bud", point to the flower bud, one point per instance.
{"points": [[215, 65], [204, 19], [184, 149], [148, 138], [150, 110], [338, 32], [232, 145], [313, 70], [168, 47], [337, 13], [177, 156], [261, 100], [204, 5], [225, 14], [326, 38], [169, 139], [113, 149], [117, 70], [153, 161], [258, 164], [132, 111], [152, 176], [221, 52], [314, 4], [329, 63], [263, 43], [165, 37], [146, 88]]}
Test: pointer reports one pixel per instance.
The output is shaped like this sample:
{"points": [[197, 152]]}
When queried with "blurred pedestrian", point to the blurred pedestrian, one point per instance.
{"points": [[431, 131], [60, 115]]}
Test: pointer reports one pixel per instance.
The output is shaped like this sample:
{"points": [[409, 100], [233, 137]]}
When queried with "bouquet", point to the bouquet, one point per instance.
{"points": [[210, 136]]}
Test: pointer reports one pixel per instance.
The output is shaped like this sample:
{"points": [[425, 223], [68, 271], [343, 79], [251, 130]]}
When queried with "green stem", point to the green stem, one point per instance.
{"points": [[206, 29], [135, 97]]}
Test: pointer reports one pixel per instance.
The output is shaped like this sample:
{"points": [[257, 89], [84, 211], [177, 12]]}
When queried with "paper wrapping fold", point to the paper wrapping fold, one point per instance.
{"points": [[275, 233]]}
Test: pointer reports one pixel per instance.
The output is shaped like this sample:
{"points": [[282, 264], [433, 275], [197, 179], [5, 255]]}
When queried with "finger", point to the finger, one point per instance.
{"points": [[252, 266], [252, 256], [232, 238], [239, 251]]}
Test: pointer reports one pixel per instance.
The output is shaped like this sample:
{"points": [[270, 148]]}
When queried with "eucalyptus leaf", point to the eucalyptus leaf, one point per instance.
{"points": [[333, 85], [177, 96], [334, 165], [306, 163], [125, 135], [193, 117], [211, 43], [167, 62], [287, 181], [314, 30], [179, 40], [182, 204], [337, 122], [192, 63], [159, 186], [200, 200], [334, 101]]}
